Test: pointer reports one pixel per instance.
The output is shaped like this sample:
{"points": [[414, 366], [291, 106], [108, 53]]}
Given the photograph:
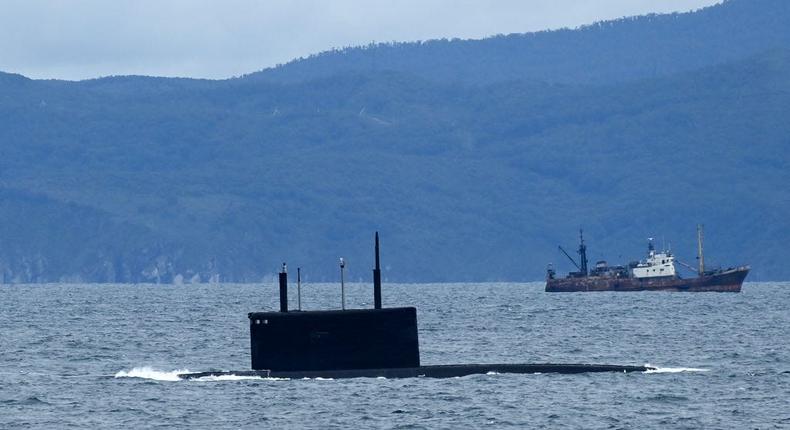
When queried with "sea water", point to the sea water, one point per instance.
{"points": [[108, 356]]}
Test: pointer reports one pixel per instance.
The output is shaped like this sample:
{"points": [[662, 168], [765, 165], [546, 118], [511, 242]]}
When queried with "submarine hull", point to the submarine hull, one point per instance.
{"points": [[438, 371], [727, 281]]}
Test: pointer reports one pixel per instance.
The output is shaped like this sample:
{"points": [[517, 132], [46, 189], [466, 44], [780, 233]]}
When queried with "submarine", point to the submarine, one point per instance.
{"points": [[359, 343]]}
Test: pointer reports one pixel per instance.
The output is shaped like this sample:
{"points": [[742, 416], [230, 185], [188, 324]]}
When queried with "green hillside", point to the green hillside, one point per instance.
{"points": [[139, 179]]}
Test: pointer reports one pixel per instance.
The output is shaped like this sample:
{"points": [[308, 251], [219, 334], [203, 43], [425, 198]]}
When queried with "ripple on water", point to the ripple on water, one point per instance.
{"points": [[110, 355]]}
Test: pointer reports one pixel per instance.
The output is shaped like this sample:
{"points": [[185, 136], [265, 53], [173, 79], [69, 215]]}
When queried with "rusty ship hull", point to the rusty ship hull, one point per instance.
{"points": [[726, 281]]}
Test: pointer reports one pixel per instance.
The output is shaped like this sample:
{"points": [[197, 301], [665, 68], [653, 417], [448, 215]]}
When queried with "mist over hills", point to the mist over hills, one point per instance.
{"points": [[473, 158]]}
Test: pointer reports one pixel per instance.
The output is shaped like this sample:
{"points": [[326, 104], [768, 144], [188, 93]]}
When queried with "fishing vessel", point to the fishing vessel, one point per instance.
{"points": [[657, 272]]}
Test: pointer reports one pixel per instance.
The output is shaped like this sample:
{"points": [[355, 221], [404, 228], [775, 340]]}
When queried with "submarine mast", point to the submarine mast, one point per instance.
{"points": [[284, 289], [377, 278]]}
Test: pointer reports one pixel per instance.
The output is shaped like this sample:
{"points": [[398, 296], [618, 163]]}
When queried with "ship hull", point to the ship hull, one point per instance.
{"points": [[728, 281], [441, 371]]}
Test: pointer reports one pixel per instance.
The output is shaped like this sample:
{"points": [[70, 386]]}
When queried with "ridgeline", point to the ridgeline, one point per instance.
{"points": [[473, 158]]}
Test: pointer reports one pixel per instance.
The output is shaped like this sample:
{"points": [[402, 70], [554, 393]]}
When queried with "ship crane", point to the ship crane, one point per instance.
{"points": [[570, 258], [582, 254], [687, 266]]}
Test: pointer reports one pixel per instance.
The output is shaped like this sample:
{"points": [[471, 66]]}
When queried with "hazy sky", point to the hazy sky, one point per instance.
{"points": [[81, 39]]}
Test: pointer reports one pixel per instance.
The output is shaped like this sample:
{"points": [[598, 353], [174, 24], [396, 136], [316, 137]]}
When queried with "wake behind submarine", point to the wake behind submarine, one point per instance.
{"points": [[359, 343]]}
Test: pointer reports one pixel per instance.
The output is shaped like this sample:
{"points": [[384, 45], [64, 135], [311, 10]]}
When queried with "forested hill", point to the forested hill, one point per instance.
{"points": [[601, 53], [132, 179]]}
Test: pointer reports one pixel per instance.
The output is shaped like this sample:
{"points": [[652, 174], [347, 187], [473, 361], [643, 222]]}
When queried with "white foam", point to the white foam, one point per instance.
{"points": [[151, 373], [656, 369]]}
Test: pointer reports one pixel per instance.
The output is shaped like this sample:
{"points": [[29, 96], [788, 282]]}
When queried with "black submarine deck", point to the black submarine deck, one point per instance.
{"points": [[436, 371]]}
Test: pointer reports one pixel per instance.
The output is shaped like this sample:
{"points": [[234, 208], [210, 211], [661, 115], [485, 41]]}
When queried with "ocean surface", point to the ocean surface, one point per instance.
{"points": [[106, 356]]}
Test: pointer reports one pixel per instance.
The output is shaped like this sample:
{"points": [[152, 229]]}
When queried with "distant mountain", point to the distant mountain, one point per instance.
{"points": [[603, 53], [140, 179]]}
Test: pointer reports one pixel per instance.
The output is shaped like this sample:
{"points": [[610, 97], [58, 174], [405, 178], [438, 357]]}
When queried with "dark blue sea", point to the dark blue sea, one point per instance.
{"points": [[106, 356]]}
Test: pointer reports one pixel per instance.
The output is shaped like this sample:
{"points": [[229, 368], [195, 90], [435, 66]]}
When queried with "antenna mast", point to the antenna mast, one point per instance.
{"points": [[342, 284], [299, 288], [284, 289], [377, 277]]}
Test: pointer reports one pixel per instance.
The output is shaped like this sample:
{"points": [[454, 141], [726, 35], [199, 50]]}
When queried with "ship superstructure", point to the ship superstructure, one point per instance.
{"points": [[657, 265]]}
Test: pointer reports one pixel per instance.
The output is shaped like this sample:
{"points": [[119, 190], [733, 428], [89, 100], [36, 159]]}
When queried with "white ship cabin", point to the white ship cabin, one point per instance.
{"points": [[657, 265]]}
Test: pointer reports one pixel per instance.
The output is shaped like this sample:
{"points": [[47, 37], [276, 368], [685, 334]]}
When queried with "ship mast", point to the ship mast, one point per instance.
{"points": [[700, 254], [582, 253]]}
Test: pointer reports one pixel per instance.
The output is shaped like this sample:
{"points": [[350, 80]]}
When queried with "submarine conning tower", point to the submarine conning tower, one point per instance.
{"points": [[347, 339]]}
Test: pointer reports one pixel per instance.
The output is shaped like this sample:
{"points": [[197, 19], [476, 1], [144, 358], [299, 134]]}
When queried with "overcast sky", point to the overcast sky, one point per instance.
{"points": [[81, 39]]}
